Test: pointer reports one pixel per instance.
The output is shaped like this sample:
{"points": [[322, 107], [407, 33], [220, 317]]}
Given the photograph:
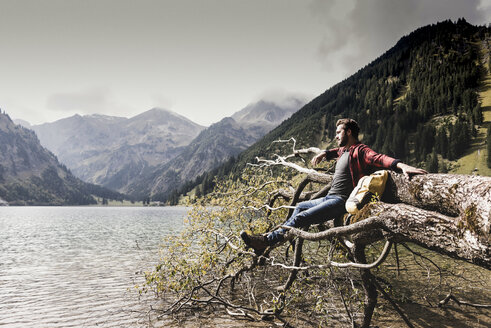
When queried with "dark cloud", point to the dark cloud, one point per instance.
{"points": [[358, 31]]}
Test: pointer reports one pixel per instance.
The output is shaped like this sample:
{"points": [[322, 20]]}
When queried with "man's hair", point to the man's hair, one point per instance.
{"points": [[350, 124]]}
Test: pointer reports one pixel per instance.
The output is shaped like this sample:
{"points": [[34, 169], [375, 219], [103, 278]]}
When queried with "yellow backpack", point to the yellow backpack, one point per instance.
{"points": [[368, 186]]}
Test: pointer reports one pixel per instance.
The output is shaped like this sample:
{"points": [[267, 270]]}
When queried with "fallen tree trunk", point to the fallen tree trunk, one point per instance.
{"points": [[431, 230], [464, 196], [449, 214], [462, 232]]}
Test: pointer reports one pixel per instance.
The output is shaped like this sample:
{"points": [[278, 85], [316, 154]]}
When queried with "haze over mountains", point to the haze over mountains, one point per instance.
{"points": [[151, 152]]}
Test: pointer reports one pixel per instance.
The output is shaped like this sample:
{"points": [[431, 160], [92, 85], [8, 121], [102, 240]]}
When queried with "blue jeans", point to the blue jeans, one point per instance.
{"points": [[311, 212]]}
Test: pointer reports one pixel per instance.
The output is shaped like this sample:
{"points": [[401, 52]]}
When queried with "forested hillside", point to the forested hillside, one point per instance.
{"points": [[418, 102]]}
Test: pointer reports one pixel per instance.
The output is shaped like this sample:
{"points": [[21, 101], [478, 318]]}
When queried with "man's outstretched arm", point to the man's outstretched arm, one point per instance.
{"points": [[318, 158], [410, 170]]}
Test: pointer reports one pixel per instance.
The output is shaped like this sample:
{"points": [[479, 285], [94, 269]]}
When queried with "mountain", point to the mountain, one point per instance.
{"points": [[261, 117], [22, 123], [113, 151], [31, 175], [421, 101], [425, 86], [158, 150], [214, 146]]}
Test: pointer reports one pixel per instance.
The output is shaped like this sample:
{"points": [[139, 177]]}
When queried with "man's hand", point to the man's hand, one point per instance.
{"points": [[410, 170], [318, 158]]}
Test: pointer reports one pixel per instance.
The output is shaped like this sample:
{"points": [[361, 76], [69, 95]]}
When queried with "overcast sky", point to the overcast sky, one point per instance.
{"points": [[203, 59]]}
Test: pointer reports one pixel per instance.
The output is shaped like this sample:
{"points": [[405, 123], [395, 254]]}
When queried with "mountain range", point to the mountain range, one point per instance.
{"points": [[112, 151], [215, 146], [152, 152]]}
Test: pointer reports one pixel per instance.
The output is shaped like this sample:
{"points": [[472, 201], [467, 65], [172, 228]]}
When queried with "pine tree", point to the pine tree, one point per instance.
{"points": [[438, 142], [477, 114], [386, 147], [381, 136], [199, 192], [488, 144], [399, 142], [443, 168], [432, 162], [444, 143]]}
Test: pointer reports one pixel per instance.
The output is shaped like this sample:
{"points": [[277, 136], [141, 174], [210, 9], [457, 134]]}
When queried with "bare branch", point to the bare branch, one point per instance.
{"points": [[267, 207], [365, 225], [227, 239], [379, 261], [281, 161], [430, 229], [451, 297], [295, 152]]}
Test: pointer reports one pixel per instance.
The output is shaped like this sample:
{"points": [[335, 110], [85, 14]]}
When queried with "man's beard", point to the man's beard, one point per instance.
{"points": [[343, 141]]}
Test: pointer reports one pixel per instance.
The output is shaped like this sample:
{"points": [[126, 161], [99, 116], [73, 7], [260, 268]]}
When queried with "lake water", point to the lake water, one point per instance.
{"points": [[77, 266]]}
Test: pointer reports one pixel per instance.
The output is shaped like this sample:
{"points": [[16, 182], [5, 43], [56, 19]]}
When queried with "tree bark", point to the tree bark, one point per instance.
{"points": [[431, 230], [446, 213], [452, 215], [465, 196]]}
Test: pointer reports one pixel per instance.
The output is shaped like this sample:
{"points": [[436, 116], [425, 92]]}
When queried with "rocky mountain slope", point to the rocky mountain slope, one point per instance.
{"points": [[113, 151], [31, 175], [261, 117]]}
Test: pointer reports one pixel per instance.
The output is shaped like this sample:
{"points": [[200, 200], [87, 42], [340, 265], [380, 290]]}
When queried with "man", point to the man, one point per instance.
{"points": [[354, 160]]}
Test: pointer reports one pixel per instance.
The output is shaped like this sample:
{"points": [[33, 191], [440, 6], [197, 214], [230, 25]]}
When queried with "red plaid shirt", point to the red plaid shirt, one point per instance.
{"points": [[363, 160]]}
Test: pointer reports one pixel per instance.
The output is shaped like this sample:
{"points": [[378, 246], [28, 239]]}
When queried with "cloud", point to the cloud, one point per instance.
{"points": [[284, 98], [161, 101], [86, 101], [358, 31]]}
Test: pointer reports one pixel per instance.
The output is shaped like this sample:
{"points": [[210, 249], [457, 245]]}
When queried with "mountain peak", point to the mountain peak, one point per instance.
{"points": [[112, 150], [158, 113], [268, 111], [103, 117], [23, 123]]}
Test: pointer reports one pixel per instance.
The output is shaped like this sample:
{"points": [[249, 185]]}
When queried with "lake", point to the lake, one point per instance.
{"points": [[77, 266]]}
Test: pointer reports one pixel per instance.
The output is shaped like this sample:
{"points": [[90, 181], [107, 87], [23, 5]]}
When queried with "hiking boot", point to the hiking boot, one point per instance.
{"points": [[256, 242]]}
